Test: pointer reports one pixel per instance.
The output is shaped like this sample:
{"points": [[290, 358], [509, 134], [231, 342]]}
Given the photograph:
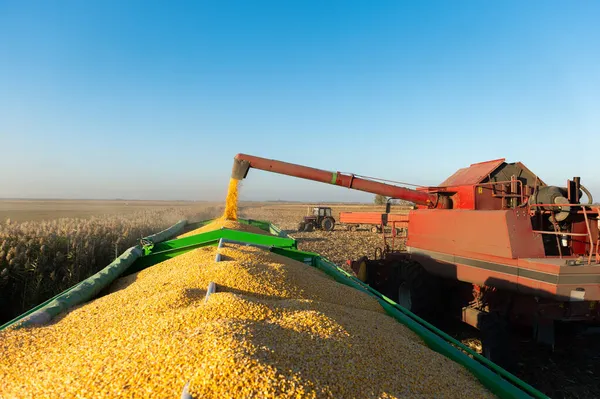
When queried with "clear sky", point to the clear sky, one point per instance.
{"points": [[152, 99]]}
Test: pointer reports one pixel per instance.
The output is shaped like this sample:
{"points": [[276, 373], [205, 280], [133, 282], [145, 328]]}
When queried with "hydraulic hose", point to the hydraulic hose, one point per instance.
{"points": [[587, 192]]}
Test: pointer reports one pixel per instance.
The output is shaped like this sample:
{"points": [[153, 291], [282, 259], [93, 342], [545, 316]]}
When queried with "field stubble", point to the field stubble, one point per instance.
{"points": [[337, 246]]}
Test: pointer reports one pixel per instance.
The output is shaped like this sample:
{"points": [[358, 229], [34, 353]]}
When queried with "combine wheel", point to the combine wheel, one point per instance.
{"points": [[301, 226], [375, 229], [417, 289], [362, 271], [327, 224], [309, 227]]}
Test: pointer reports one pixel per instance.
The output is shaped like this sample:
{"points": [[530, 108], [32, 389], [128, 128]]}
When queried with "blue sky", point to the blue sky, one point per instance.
{"points": [[152, 99]]}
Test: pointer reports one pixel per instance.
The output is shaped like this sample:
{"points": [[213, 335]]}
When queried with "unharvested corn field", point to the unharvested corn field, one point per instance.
{"points": [[274, 328], [40, 259]]}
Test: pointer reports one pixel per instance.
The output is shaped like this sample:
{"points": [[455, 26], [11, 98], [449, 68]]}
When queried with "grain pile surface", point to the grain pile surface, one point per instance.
{"points": [[225, 223], [274, 328]]}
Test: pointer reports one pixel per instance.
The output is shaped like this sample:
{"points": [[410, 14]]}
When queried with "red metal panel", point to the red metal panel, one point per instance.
{"points": [[401, 220], [486, 277], [581, 245], [500, 234], [337, 178], [464, 197], [512, 281], [536, 287], [524, 242], [360, 217], [485, 200], [473, 174], [394, 217]]}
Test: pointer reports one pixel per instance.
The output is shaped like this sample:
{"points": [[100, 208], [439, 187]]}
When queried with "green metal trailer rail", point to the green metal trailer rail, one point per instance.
{"points": [[153, 251]]}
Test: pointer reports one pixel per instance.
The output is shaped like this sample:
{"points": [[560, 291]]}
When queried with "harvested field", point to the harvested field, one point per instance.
{"points": [[38, 210], [337, 246]]}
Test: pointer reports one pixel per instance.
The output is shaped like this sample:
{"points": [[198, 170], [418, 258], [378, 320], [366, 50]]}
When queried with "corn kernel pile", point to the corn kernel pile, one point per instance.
{"points": [[274, 328], [228, 224]]}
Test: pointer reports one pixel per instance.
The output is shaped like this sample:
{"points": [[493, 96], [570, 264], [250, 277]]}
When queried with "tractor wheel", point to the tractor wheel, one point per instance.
{"points": [[362, 274], [496, 340], [328, 224], [309, 227], [374, 229], [301, 226], [417, 290]]}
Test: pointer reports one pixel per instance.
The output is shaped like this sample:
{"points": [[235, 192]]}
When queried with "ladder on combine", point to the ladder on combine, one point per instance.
{"points": [[393, 238]]}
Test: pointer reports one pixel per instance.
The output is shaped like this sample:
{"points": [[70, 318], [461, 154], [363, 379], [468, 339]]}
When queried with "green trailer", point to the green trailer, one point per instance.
{"points": [[159, 247]]}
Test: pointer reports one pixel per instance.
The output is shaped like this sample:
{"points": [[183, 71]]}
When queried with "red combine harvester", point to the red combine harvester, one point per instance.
{"points": [[493, 240]]}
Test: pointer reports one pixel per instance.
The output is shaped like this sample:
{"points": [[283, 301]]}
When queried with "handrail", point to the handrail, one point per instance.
{"points": [[587, 225], [594, 248], [511, 182]]}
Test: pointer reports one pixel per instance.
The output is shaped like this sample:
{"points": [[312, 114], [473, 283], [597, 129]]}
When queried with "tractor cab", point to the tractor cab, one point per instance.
{"points": [[319, 218], [319, 211]]}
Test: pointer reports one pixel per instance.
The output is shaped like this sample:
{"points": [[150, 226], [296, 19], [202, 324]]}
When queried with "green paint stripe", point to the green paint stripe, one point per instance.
{"points": [[333, 177]]}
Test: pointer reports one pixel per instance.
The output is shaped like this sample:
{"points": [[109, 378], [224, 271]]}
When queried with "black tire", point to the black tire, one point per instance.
{"points": [[328, 224], [301, 226], [363, 271], [309, 227], [417, 290], [496, 340]]}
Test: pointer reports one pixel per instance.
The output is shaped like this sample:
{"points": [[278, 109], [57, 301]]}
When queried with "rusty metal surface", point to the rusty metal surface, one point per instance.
{"points": [[473, 174]]}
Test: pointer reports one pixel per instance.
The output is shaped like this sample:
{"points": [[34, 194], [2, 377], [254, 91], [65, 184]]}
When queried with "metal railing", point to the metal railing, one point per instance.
{"points": [[516, 189], [594, 247]]}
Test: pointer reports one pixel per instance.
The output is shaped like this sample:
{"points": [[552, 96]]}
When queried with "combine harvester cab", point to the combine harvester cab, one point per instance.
{"points": [[154, 250]]}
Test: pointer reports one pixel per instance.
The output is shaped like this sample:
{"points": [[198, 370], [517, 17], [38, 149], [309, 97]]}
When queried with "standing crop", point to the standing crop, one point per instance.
{"points": [[41, 259]]}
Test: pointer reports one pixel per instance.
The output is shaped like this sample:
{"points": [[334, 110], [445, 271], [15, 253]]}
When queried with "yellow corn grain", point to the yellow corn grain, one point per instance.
{"points": [[231, 201], [224, 223], [274, 328]]}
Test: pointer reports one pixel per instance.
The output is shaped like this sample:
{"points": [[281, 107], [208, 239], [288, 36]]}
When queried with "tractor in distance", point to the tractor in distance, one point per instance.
{"points": [[317, 218]]}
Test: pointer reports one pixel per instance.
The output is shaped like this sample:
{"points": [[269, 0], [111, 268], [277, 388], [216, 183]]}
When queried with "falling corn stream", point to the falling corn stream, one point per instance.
{"points": [[231, 203], [274, 328]]}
